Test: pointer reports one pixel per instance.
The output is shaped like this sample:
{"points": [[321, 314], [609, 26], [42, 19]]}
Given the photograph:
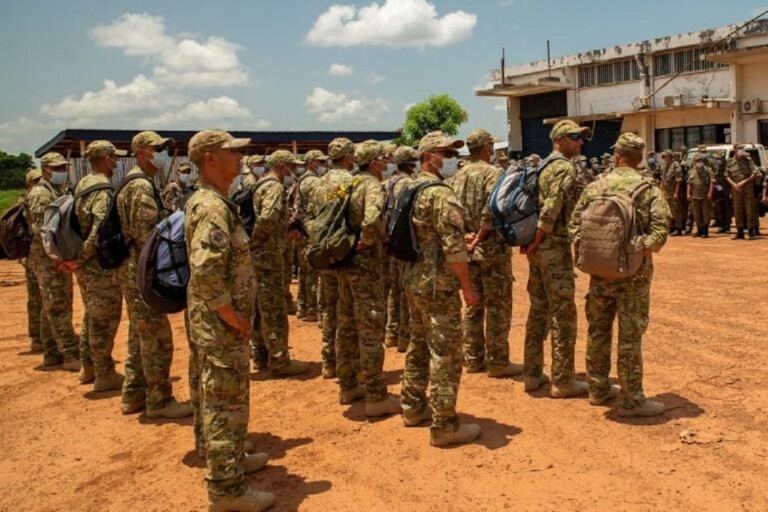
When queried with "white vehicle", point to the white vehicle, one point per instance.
{"points": [[756, 151]]}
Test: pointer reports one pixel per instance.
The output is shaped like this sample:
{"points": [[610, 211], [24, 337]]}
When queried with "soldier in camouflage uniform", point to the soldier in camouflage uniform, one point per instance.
{"points": [[485, 328], [584, 175], [671, 179], [150, 343], [551, 279], [177, 192], [630, 297], [268, 242], [434, 356], [221, 298], [100, 290], [723, 204], [290, 182], [55, 284], [701, 190], [741, 173], [594, 166], [37, 321]]}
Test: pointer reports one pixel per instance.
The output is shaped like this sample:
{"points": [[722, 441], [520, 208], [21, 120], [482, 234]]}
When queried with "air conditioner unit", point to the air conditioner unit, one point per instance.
{"points": [[753, 106], [674, 100]]}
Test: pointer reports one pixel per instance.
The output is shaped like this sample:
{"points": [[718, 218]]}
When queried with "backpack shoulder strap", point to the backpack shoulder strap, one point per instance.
{"points": [[639, 189], [93, 188]]}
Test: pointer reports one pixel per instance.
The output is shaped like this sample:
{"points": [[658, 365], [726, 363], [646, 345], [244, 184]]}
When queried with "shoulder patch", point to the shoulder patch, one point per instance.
{"points": [[218, 238]]}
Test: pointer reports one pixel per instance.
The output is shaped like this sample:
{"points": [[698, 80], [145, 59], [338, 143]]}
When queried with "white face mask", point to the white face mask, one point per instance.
{"points": [[450, 167], [288, 180], [389, 171], [417, 164], [583, 165], [321, 170], [59, 178], [355, 169], [161, 160], [300, 170], [237, 181], [651, 160], [258, 171], [185, 178]]}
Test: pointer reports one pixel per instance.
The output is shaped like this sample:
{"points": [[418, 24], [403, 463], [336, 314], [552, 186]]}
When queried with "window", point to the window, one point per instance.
{"points": [[691, 136], [662, 64], [678, 138], [616, 72], [709, 134], [586, 76], [604, 74], [685, 61]]}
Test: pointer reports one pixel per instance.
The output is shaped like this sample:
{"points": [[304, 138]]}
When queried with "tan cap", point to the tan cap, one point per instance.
{"points": [[186, 166], [701, 155], [668, 152], [279, 157], [630, 142], [32, 175], [148, 139], [254, 159], [566, 127], [213, 140], [314, 154], [534, 155], [405, 154], [479, 138], [439, 140], [340, 147], [53, 159], [101, 148], [368, 151], [390, 148]]}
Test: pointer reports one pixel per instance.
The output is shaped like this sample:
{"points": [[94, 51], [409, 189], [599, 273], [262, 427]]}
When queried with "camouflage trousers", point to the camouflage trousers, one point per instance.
{"points": [[434, 358], [307, 296], [329, 299], [485, 328], [723, 209], [103, 303], [219, 394], [56, 294], [676, 207], [288, 256], [630, 299], [150, 346], [398, 316], [551, 291], [702, 212], [360, 331], [269, 341], [745, 207], [37, 322]]}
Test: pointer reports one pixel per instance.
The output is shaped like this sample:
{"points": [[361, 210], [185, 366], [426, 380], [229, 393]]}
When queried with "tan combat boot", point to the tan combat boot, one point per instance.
{"points": [[465, 434], [111, 380], [573, 389], [132, 407], [253, 462], [347, 396], [36, 347], [329, 371], [475, 368], [251, 501], [532, 383], [414, 419], [71, 365], [87, 375], [171, 410], [511, 370], [293, 368], [613, 392], [52, 360], [311, 318], [390, 405], [647, 408]]}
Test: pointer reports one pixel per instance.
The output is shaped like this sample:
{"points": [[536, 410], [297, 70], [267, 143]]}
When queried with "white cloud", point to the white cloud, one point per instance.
{"points": [[397, 23], [506, 3], [23, 134], [334, 107], [341, 70], [194, 115], [136, 34]]}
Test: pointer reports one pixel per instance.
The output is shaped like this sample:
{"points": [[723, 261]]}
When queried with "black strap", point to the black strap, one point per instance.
{"points": [[93, 188]]}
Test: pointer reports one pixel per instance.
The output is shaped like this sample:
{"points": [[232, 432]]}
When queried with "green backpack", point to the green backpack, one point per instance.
{"points": [[331, 237]]}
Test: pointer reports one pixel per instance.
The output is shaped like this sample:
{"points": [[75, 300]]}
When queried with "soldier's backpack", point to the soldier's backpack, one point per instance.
{"points": [[402, 242], [14, 232], [60, 232], [610, 240], [163, 272], [332, 238], [514, 203], [111, 246], [243, 199]]}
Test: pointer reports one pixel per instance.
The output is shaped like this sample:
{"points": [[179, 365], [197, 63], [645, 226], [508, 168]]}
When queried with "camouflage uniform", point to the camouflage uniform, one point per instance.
{"points": [[723, 204], [485, 326], [150, 343], [629, 298], [671, 176], [307, 290], [174, 195], [744, 203], [37, 321], [584, 176], [700, 179]]}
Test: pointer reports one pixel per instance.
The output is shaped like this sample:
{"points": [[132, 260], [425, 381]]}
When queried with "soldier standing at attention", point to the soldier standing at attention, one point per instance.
{"points": [[741, 173], [434, 356], [551, 279], [37, 322], [221, 298], [176, 192], [630, 297], [485, 326], [150, 342], [671, 179], [701, 190]]}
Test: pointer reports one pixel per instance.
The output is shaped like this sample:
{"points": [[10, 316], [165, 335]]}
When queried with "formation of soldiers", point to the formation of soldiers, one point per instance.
{"points": [[238, 305]]}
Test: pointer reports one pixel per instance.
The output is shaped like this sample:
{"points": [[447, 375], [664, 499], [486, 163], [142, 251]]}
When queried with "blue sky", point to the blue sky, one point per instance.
{"points": [[239, 64]]}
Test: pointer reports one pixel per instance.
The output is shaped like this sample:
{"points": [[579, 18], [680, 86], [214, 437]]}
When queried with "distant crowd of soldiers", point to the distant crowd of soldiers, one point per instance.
{"points": [[239, 300]]}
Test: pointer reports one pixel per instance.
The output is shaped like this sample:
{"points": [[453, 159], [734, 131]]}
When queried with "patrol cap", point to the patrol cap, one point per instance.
{"points": [[185, 167], [340, 147], [390, 148], [606, 156], [534, 155], [213, 140], [667, 152], [53, 159], [629, 142], [148, 139], [368, 151], [438, 140], [32, 175], [254, 159], [314, 154], [479, 138], [566, 127], [700, 156], [405, 154], [102, 148], [280, 157]]}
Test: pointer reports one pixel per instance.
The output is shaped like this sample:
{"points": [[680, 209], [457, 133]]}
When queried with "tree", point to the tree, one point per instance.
{"points": [[435, 113], [13, 170]]}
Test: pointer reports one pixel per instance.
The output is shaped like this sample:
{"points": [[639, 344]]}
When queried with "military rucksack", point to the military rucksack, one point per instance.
{"points": [[60, 232], [332, 238], [610, 239], [163, 272], [514, 203], [402, 242], [14, 232], [243, 199]]}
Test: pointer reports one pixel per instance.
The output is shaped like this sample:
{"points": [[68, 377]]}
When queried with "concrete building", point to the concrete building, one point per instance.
{"points": [[703, 87]]}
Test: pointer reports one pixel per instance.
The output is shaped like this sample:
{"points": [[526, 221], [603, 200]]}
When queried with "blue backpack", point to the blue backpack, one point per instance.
{"points": [[163, 273], [514, 203]]}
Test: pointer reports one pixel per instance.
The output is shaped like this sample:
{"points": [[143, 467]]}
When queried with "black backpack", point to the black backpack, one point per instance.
{"points": [[401, 235], [111, 246], [14, 233], [163, 272], [243, 199]]}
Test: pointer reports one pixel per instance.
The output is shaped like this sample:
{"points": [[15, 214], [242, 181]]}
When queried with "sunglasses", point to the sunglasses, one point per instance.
{"points": [[575, 136]]}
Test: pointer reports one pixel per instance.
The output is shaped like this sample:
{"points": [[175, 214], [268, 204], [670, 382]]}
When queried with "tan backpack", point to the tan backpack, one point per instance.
{"points": [[610, 241]]}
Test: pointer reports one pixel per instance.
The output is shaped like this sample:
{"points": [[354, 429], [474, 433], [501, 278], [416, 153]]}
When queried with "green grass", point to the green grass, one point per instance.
{"points": [[8, 198]]}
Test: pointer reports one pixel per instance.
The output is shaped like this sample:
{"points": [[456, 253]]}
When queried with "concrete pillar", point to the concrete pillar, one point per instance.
{"points": [[737, 131], [514, 125]]}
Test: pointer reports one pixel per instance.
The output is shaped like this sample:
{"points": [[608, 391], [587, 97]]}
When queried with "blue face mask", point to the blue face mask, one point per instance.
{"points": [[321, 170], [59, 178], [300, 170], [186, 179], [258, 171]]}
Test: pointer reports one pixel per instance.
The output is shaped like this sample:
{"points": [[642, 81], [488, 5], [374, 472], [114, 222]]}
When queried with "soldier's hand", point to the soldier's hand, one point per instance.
{"points": [[471, 297], [69, 266], [710, 197], [361, 247], [235, 320]]}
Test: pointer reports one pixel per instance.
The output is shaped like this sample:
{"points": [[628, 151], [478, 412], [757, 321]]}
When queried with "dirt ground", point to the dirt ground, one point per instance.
{"points": [[66, 448]]}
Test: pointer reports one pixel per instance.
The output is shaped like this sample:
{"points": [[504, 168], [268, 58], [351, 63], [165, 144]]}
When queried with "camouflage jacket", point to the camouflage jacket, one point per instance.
{"points": [[700, 179], [221, 268], [173, 195], [35, 201], [328, 185], [557, 196], [270, 231], [671, 175], [741, 169], [473, 185], [91, 210], [139, 210], [307, 186], [652, 208], [438, 219], [392, 188]]}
